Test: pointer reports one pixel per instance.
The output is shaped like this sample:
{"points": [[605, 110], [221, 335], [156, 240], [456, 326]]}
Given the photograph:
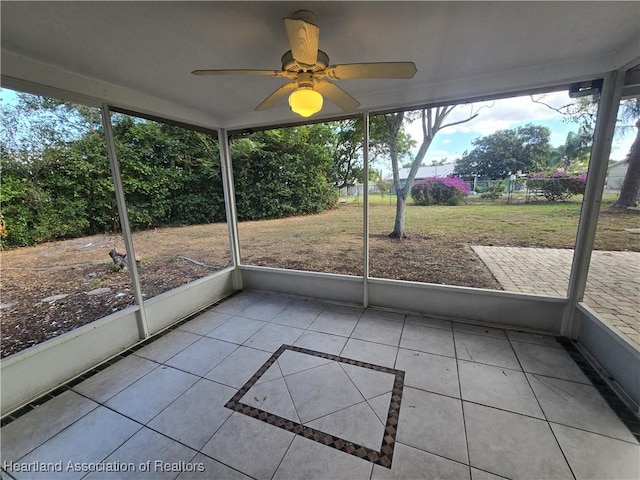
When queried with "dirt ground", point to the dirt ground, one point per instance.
{"points": [[55, 287]]}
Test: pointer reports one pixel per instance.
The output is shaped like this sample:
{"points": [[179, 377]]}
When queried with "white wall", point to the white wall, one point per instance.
{"points": [[29, 374]]}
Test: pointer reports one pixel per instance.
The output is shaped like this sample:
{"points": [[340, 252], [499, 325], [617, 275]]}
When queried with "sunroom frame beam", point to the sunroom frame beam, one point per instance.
{"points": [[585, 237], [230, 205], [365, 210], [141, 317]]}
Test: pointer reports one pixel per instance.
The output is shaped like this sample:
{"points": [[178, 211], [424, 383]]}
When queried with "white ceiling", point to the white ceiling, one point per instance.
{"points": [[139, 55]]}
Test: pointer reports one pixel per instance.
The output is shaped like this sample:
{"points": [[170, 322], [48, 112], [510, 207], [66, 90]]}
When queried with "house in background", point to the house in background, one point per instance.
{"points": [[616, 173], [437, 171]]}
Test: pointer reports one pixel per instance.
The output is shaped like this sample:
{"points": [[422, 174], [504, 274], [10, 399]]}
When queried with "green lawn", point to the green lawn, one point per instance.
{"points": [[538, 224]]}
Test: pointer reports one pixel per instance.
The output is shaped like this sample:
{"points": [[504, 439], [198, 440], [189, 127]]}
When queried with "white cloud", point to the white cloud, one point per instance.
{"points": [[500, 114], [506, 114], [436, 154]]}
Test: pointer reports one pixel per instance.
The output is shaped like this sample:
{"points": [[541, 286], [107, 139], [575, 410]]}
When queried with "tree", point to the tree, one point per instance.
{"points": [[576, 150], [347, 143], [573, 155], [283, 172], [432, 122], [506, 152], [170, 175], [57, 181], [55, 173], [630, 191], [346, 146], [585, 111]]}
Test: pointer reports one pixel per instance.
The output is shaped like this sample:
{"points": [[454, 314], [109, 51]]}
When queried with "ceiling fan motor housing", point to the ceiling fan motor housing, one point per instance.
{"points": [[305, 80], [305, 15], [289, 64]]}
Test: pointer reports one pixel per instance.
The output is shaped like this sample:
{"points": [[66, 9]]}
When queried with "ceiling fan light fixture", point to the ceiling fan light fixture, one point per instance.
{"points": [[309, 73], [305, 101]]}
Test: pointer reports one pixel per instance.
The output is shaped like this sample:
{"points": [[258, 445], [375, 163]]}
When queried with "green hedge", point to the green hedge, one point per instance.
{"points": [[171, 177]]}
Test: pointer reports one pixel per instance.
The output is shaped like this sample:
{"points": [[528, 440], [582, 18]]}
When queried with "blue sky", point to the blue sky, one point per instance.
{"points": [[504, 114]]}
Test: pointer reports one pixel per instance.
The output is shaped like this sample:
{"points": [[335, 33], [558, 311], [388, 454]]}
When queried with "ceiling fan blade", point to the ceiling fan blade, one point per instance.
{"points": [[303, 38], [337, 95], [276, 96], [372, 70], [266, 73]]}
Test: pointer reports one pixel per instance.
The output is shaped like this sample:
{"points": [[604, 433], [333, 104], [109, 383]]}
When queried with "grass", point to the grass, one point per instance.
{"points": [[538, 224], [439, 240]]}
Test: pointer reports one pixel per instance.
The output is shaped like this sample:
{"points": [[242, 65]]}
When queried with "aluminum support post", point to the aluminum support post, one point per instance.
{"points": [[591, 203], [230, 205], [365, 210], [124, 221]]}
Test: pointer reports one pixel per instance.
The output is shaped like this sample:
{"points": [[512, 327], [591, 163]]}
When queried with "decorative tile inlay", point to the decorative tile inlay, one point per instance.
{"points": [[383, 457]]}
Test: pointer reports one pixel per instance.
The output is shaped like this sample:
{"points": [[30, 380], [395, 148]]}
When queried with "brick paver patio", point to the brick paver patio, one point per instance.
{"points": [[613, 286]]}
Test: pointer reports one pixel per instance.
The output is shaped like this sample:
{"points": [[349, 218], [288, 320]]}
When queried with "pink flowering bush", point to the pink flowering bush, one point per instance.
{"points": [[558, 186], [439, 191]]}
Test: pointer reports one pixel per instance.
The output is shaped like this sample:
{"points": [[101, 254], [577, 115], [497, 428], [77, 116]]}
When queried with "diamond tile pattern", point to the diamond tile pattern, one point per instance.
{"points": [[322, 390], [324, 394], [349, 393]]}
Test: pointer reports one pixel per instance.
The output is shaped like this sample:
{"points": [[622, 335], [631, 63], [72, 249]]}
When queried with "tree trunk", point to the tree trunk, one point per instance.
{"points": [[398, 226], [403, 194], [630, 192], [393, 127], [432, 123]]}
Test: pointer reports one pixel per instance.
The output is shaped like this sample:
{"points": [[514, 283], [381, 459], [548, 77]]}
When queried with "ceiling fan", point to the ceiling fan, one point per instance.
{"points": [[311, 73]]}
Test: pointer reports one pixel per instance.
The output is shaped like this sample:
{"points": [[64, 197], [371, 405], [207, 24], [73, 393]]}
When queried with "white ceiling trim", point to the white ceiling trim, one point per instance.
{"points": [[29, 75]]}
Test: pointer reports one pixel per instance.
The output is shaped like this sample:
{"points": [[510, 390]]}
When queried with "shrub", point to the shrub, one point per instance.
{"points": [[439, 191], [494, 191], [283, 173], [558, 186], [384, 187]]}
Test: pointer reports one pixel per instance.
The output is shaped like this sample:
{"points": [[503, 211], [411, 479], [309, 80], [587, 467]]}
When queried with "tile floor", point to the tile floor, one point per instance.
{"points": [[351, 393]]}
